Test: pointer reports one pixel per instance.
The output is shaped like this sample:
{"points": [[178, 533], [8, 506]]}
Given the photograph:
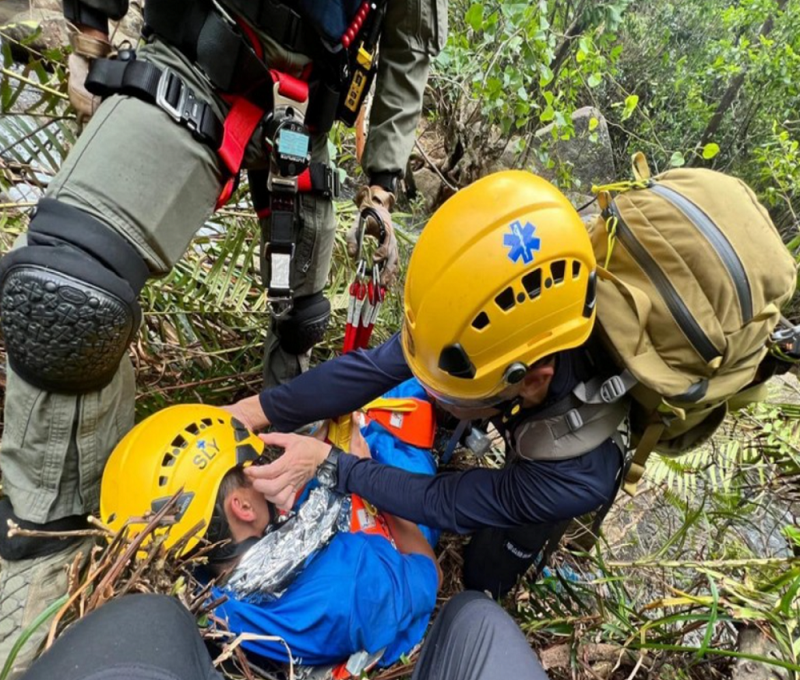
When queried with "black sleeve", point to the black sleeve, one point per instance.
{"points": [[336, 387], [95, 13], [526, 492]]}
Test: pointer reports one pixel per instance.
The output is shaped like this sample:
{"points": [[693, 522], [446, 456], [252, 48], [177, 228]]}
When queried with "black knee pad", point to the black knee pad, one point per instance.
{"points": [[306, 324], [68, 300], [14, 548]]}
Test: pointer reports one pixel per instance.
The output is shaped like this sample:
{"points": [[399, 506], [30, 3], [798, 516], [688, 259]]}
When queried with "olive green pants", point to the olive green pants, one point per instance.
{"points": [[144, 176]]}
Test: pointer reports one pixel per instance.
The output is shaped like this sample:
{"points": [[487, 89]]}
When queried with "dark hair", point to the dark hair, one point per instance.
{"points": [[235, 478]]}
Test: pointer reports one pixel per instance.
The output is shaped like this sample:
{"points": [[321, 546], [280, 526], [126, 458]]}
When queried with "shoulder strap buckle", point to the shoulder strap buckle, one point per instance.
{"points": [[574, 420], [613, 389]]}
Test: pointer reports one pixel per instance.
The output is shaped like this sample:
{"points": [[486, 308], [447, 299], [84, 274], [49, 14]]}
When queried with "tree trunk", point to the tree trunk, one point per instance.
{"points": [[733, 88]]}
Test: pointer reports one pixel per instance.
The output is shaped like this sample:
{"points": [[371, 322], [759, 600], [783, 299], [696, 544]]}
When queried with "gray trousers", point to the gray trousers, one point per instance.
{"points": [[472, 639], [145, 177]]}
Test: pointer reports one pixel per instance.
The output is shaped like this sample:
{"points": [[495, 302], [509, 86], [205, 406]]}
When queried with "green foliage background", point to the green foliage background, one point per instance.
{"points": [[702, 552]]}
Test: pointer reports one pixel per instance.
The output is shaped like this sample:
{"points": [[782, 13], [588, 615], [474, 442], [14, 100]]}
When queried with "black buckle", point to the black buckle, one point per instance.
{"points": [[186, 109], [333, 182]]}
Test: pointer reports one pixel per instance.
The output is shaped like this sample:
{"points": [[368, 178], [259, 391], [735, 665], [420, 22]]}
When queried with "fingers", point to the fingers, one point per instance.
{"points": [[274, 489], [277, 439]]}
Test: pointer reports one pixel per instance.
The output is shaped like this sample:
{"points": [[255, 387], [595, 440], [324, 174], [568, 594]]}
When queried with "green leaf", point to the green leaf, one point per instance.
{"points": [[580, 56], [677, 160], [593, 123], [547, 115], [710, 150], [474, 16], [594, 80], [631, 102], [546, 75]]}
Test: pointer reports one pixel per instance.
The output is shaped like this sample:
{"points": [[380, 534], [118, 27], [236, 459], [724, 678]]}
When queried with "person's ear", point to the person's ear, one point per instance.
{"points": [[241, 507], [537, 380]]}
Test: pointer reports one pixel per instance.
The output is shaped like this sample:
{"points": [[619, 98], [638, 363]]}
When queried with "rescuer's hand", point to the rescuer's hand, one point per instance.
{"points": [[375, 205], [280, 481], [87, 44], [248, 411]]}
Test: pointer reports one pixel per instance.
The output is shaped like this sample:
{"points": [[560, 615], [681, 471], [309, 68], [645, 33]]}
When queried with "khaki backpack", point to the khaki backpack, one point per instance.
{"points": [[692, 275]]}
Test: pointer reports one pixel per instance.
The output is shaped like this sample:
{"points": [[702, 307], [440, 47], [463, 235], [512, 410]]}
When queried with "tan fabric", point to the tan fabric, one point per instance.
{"points": [[686, 386]]}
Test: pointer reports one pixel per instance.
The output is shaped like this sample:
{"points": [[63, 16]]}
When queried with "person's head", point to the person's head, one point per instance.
{"points": [[195, 451], [244, 510], [501, 280]]}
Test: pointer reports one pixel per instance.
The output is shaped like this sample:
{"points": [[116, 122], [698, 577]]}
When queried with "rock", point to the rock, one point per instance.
{"points": [[429, 184], [49, 5], [752, 641], [39, 29], [587, 156]]}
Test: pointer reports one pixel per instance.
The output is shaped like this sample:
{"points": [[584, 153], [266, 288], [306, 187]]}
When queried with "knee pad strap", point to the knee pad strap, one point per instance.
{"points": [[305, 325]]}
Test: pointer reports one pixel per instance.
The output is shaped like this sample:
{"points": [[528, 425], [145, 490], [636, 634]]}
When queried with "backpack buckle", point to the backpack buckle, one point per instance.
{"points": [[573, 419], [612, 389]]}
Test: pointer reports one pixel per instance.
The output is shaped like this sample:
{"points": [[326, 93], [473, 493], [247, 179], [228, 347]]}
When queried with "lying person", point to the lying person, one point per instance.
{"points": [[366, 591]]}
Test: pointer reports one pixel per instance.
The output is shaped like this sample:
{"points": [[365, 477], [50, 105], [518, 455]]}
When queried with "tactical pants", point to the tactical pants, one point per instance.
{"points": [[144, 176], [472, 639]]}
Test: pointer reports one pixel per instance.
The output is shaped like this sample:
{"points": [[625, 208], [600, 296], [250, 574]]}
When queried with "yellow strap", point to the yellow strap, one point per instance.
{"points": [[611, 228], [640, 167], [646, 445], [339, 432], [620, 187], [396, 405]]}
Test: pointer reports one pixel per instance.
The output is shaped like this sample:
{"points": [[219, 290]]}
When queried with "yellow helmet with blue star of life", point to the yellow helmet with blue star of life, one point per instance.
{"points": [[502, 276]]}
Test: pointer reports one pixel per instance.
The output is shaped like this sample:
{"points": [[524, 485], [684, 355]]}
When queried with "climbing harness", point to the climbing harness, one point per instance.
{"points": [[228, 52]]}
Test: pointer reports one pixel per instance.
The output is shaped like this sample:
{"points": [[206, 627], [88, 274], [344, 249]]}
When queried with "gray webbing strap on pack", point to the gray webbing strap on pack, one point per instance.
{"points": [[580, 422]]}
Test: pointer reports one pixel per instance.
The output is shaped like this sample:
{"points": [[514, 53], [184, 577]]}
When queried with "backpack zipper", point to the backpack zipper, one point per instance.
{"points": [[721, 245], [687, 323]]}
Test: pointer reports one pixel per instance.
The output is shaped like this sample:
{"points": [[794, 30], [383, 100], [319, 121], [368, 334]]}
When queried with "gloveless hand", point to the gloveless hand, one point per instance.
{"points": [[280, 481], [248, 411]]}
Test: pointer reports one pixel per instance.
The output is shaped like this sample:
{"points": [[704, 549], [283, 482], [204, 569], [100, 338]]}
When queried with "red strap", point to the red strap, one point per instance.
{"points": [[239, 126], [242, 120], [290, 87], [304, 181]]}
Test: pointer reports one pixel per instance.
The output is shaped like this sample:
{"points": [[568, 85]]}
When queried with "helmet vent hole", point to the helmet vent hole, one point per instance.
{"points": [[168, 460], [558, 269], [532, 283], [506, 299], [481, 321], [576, 269], [111, 518], [162, 481], [192, 429], [179, 442], [207, 422]]}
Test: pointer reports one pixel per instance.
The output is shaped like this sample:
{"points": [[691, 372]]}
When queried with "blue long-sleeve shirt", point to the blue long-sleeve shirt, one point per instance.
{"points": [[525, 492]]}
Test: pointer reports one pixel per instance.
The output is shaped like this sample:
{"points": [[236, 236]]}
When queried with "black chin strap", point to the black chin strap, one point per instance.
{"points": [[219, 531]]}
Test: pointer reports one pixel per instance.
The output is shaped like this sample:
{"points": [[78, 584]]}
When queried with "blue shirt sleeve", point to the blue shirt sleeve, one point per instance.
{"points": [[525, 492], [336, 387]]}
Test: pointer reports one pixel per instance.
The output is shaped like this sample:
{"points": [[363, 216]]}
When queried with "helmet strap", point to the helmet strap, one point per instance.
{"points": [[510, 409]]}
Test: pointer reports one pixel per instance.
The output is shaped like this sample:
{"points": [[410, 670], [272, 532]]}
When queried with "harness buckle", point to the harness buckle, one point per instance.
{"points": [[175, 111]]}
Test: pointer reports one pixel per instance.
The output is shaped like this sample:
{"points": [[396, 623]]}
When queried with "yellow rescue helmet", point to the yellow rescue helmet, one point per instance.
{"points": [[188, 447], [503, 275]]}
